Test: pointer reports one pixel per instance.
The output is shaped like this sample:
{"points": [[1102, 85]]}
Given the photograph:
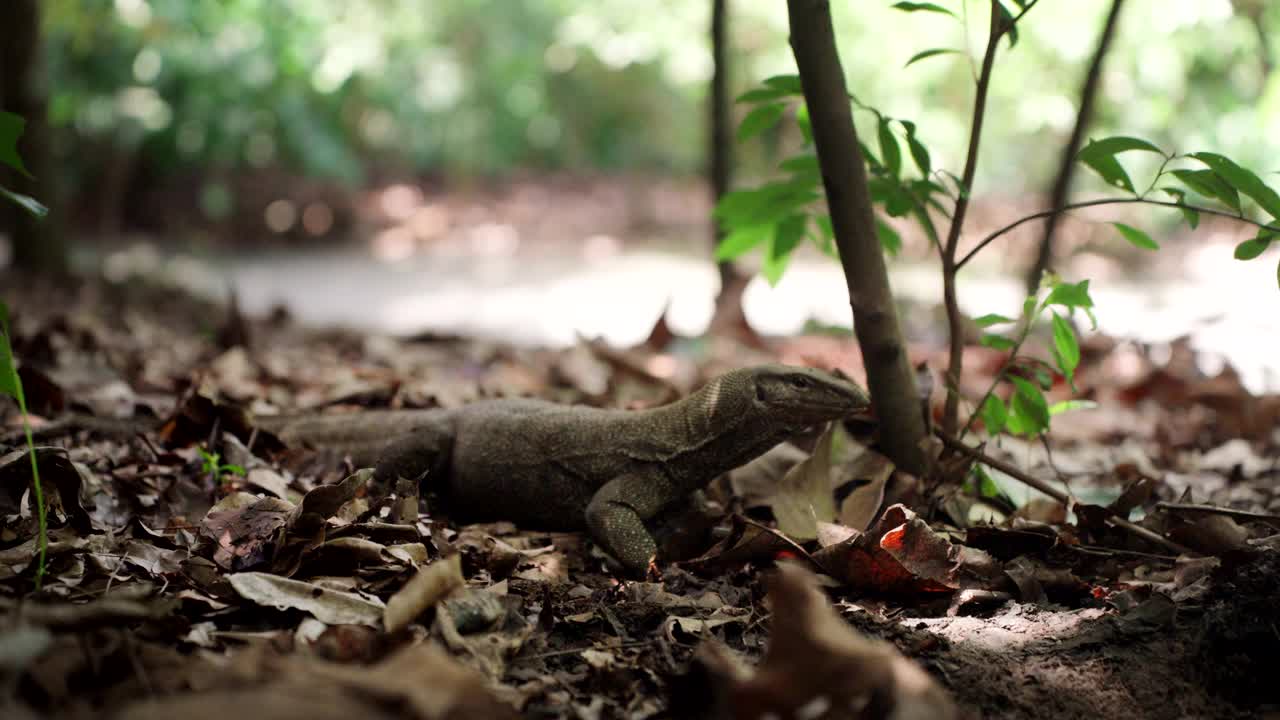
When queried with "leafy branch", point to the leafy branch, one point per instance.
{"points": [[780, 215]]}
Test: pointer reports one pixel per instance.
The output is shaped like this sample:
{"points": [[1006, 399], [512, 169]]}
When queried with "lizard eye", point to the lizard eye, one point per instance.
{"points": [[799, 381]]}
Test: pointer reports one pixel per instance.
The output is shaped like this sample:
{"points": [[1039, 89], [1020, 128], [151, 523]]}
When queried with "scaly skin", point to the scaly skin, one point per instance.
{"points": [[568, 467]]}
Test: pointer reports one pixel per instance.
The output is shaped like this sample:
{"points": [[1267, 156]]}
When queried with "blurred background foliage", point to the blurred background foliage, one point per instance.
{"points": [[358, 90]]}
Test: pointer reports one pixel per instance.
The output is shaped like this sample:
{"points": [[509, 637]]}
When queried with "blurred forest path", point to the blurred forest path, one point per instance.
{"points": [[541, 294]]}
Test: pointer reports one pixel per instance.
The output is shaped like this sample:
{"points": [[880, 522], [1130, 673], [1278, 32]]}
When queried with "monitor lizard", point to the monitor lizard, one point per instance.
{"points": [[556, 466]]}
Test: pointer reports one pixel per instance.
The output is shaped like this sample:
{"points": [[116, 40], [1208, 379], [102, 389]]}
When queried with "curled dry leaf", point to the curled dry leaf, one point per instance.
{"points": [[902, 554], [816, 665], [431, 584]]}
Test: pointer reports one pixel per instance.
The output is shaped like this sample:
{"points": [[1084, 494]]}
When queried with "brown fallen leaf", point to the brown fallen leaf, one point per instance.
{"points": [[816, 665], [901, 554], [244, 527], [430, 585], [860, 507], [804, 498], [420, 682]]}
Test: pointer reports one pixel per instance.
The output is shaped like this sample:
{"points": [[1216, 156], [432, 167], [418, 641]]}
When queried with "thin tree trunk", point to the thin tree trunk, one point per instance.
{"points": [[875, 321], [1255, 11], [955, 321], [720, 139], [36, 244], [1066, 169]]}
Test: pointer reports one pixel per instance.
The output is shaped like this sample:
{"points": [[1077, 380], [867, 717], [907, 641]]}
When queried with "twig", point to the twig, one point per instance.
{"points": [[571, 651], [1057, 494], [1215, 510], [1105, 201], [794, 545]]}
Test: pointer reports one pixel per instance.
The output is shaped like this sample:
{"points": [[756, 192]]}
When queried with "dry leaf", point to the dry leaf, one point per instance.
{"points": [[328, 606], [428, 586], [804, 497]]}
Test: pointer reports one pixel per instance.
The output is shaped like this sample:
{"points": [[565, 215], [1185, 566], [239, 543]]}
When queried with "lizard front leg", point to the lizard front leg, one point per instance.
{"points": [[616, 514]]}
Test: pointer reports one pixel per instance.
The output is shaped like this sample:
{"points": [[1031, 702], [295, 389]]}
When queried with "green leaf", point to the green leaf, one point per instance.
{"points": [[741, 240], [26, 202], [990, 319], [1191, 216], [763, 94], [1209, 184], [11, 128], [997, 342], [766, 204], [1244, 180], [889, 238], [1070, 295], [987, 485], [1252, 248], [825, 239], [900, 201], [1068, 405], [1100, 156], [918, 6], [760, 119], [1115, 145], [919, 152], [805, 165], [1008, 24], [872, 161], [931, 52], [993, 414], [1136, 237], [1111, 171], [824, 224], [787, 236], [1028, 404], [889, 149], [787, 83], [806, 127], [1066, 348]]}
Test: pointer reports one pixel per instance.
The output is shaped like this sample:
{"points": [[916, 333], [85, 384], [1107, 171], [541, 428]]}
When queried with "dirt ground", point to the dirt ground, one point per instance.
{"points": [[198, 568]]}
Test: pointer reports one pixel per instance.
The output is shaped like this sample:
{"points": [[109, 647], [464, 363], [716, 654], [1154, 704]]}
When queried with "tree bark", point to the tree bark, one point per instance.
{"points": [[889, 376], [1066, 169], [36, 244]]}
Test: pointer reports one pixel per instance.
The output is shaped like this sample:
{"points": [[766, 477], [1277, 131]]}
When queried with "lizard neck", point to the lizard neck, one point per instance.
{"points": [[717, 428]]}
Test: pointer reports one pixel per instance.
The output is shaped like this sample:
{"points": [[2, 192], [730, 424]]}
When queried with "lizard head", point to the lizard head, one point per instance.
{"points": [[804, 396]]}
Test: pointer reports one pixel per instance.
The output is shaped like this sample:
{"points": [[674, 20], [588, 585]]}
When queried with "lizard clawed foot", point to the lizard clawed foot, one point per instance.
{"points": [[652, 573]]}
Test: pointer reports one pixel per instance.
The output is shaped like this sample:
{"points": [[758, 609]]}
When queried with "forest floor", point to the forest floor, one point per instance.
{"points": [[198, 569]]}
